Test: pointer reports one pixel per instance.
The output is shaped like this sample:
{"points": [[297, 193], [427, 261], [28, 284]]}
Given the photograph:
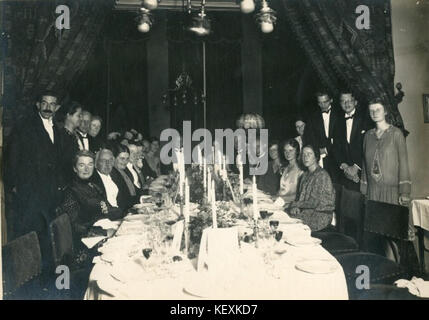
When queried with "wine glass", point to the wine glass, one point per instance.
{"points": [[147, 252], [274, 224]]}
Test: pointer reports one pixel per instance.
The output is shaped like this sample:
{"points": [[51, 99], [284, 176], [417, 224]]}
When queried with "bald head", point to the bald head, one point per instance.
{"points": [[104, 161]]}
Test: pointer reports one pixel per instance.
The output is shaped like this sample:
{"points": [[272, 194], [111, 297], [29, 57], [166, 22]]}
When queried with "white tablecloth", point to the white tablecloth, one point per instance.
{"points": [[420, 213], [261, 274]]}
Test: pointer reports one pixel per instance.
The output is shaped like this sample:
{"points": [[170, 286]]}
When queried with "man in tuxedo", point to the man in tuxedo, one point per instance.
{"points": [[348, 141], [319, 132], [300, 129], [85, 141], [133, 167], [114, 188], [33, 173]]}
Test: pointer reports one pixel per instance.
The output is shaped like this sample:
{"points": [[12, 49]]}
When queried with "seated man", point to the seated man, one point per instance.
{"points": [[113, 188]]}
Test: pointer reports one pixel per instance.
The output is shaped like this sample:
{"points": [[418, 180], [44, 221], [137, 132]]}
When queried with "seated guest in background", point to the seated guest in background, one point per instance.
{"points": [[94, 130], [146, 170], [85, 140], [122, 157], [114, 189], [316, 195], [84, 201], [152, 158], [300, 128], [292, 173], [69, 139], [348, 142], [145, 147], [270, 181], [132, 170]]}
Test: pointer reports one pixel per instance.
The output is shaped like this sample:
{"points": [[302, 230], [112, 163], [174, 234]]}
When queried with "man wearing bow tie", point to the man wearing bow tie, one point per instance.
{"points": [[319, 132], [85, 141], [348, 141]]}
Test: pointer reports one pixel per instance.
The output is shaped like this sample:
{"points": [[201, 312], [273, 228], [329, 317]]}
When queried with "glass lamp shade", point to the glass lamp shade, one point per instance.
{"points": [[267, 27], [150, 4], [143, 27], [200, 25], [247, 6]]}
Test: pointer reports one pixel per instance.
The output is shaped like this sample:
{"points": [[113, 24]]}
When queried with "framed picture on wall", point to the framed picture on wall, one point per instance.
{"points": [[426, 107]]}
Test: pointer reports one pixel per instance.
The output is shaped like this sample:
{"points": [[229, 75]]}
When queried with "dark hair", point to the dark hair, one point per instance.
{"points": [[46, 93], [118, 148], [152, 139], [97, 118], [315, 151], [294, 144], [272, 143], [323, 92], [377, 100], [300, 118], [83, 153]]}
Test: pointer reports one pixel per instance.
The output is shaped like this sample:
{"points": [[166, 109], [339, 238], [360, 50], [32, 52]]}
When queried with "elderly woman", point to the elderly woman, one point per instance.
{"points": [[316, 196], [292, 173], [84, 201]]}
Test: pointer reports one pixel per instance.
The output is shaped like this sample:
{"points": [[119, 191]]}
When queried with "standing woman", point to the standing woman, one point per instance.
{"points": [[69, 140], [385, 172]]}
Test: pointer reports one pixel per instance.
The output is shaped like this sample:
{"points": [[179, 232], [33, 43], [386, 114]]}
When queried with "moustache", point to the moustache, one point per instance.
{"points": [[47, 111]]}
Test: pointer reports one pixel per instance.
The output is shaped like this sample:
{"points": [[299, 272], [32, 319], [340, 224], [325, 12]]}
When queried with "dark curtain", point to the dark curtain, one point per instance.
{"points": [[223, 70], [39, 56], [341, 53]]}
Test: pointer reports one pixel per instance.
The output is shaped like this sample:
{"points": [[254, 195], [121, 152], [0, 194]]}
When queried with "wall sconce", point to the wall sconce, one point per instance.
{"points": [[266, 17], [150, 4], [200, 24]]}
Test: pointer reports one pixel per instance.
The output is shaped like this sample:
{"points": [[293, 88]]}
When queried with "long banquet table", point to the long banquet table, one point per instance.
{"points": [[122, 272]]}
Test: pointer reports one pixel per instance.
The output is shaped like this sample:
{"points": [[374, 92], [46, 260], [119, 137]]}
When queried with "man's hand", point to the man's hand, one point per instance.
{"points": [[104, 209]]}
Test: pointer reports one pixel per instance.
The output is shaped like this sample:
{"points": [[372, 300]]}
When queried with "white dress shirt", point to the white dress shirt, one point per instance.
{"points": [[326, 118], [49, 127], [349, 124], [84, 137], [134, 174], [111, 189]]}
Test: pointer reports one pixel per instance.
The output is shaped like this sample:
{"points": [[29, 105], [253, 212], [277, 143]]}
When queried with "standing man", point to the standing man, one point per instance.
{"points": [[34, 173], [85, 140], [94, 132], [319, 132], [348, 141], [300, 129]]}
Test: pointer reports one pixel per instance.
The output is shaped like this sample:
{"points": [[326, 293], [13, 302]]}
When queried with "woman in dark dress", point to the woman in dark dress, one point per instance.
{"points": [[69, 142], [270, 181], [84, 201]]}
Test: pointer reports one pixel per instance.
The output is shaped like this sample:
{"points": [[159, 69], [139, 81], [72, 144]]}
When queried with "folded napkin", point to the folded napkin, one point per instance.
{"points": [[107, 224], [91, 242], [416, 286], [295, 230]]}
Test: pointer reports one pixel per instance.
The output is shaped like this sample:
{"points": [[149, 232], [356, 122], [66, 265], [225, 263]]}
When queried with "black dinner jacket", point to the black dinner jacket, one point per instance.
{"points": [[93, 145], [350, 153], [314, 133], [122, 199], [141, 179]]}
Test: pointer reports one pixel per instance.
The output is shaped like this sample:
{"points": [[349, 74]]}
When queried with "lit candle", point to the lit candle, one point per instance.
{"points": [[213, 187], [209, 185], [205, 173], [255, 199], [186, 212], [241, 179], [200, 157]]}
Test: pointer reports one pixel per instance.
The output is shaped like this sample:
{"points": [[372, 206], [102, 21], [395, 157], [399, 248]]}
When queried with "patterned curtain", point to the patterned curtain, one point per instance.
{"points": [[341, 53], [38, 56]]}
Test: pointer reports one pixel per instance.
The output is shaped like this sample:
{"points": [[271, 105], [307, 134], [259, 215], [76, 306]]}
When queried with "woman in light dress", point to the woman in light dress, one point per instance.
{"points": [[291, 174]]}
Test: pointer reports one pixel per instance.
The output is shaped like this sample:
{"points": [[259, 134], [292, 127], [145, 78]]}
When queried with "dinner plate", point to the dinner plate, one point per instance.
{"points": [[317, 266], [304, 242]]}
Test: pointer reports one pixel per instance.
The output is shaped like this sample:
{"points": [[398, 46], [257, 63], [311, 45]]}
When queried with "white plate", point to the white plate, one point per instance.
{"points": [[304, 242], [317, 266]]}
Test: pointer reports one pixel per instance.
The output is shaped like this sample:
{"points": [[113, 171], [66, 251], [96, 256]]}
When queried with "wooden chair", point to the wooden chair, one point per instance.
{"points": [[350, 211], [385, 220], [22, 267], [63, 254]]}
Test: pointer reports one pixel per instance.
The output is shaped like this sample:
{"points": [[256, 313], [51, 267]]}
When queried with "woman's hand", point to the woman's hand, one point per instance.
{"points": [[294, 211], [104, 209], [404, 200]]}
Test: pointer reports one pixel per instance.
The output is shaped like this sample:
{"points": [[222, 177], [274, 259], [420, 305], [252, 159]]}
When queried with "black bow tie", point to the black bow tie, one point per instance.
{"points": [[351, 117]]}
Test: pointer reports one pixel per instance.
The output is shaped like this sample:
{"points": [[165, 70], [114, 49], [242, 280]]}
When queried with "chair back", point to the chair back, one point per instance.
{"points": [[352, 212], [387, 219], [22, 262], [62, 240]]}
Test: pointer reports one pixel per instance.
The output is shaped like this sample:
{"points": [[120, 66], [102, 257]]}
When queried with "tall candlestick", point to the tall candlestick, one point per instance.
{"points": [[209, 185], [205, 173], [255, 200], [186, 212], [240, 167], [214, 218]]}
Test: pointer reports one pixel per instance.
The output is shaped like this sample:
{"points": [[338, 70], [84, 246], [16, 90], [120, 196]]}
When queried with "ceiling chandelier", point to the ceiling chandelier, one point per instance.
{"points": [[200, 23]]}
